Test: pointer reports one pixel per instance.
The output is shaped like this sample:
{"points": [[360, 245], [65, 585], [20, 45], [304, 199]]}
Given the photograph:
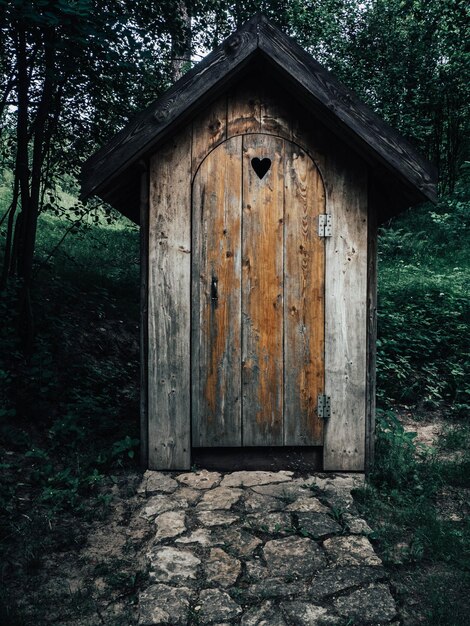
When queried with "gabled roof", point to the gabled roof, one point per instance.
{"points": [[322, 94]]}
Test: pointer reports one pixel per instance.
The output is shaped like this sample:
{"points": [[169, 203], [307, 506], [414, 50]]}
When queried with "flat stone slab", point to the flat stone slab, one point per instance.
{"points": [[220, 498], [222, 569], [373, 605], [216, 518], [351, 550], [237, 541], [216, 606], [161, 604], [158, 482], [306, 504], [277, 523], [307, 614], [200, 480], [258, 502], [258, 549], [356, 525], [288, 491], [187, 493], [268, 614], [293, 556], [168, 564], [201, 536], [249, 479], [331, 581], [274, 588], [317, 525], [160, 504], [170, 524]]}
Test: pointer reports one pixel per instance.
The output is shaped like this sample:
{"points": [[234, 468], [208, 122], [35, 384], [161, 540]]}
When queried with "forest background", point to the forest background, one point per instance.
{"points": [[73, 72]]}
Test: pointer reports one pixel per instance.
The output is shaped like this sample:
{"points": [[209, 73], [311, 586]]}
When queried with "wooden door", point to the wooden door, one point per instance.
{"points": [[258, 266]]}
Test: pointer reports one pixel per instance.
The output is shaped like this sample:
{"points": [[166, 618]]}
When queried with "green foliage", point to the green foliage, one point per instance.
{"points": [[401, 500], [444, 606], [423, 349], [69, 413], [395, 450], [422, 360]]}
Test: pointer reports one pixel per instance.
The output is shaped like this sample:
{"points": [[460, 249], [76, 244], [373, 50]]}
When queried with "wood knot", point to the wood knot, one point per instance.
{"points": [[233, 45], [215, 126], [161, 115]]}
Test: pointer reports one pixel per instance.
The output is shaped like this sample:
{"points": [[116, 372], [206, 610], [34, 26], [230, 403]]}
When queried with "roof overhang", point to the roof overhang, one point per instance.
{"points": [[112, 172]]}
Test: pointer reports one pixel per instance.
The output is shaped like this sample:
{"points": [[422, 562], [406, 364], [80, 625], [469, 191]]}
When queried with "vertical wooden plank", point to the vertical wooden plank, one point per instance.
{"points": [[243, 108], [346, 313], [262, 293], [216, 281], [373, 204], [304, 285], [275, 116], [144, 242], [312, 137], [169, 305], [209, 130]]}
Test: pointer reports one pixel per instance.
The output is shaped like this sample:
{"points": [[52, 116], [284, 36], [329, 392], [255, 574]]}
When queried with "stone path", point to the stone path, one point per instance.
{"points": [[260, 548]]}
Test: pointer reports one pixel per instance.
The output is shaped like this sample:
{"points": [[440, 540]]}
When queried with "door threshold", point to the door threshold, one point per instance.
{"points": [[268, 458]]}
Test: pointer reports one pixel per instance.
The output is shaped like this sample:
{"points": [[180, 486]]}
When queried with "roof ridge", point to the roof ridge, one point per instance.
{"points": [[321, 92]]}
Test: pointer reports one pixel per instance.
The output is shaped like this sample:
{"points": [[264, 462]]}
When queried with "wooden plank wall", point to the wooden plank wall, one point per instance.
{"points": [[374, 202], [169, 305], [144, 342], [252, 108], [346, 314]]}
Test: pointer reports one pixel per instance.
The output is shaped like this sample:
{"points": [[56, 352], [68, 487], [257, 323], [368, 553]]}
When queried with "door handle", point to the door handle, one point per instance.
{"points": [[214, 292]]}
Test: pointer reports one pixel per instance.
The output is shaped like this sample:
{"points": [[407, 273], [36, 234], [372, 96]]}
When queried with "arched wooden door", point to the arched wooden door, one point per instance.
{"points": [[258, 269]]}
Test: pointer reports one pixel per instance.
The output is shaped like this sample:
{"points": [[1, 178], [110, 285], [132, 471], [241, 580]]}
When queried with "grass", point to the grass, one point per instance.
{"points": [[417, 498], [69, 416], [413, 533]]}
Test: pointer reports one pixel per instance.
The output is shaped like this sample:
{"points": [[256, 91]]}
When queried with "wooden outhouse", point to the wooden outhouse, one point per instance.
{"points": [[258, 181]]}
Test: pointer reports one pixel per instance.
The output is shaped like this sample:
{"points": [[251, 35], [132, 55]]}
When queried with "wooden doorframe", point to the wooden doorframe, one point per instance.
{"points": [[312, 200], [253, 108]]}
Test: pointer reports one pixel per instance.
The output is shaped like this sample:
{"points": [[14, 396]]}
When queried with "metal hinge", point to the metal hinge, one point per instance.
{"points": [[325, 225], [324, 406]]}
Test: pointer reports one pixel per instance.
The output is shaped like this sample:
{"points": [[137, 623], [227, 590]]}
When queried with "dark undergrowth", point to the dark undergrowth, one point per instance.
{"points": [[69, 414], [417, 500]]}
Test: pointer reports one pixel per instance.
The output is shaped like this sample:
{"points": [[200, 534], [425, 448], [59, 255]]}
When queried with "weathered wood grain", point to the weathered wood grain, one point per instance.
{"points": [[346, 313], [344, 112], [304, 289], [209, 129], [275, 116], [216, 302], [276, 349], [262, 293], [374, 200], [244, 108], [322, 95], [169, 306], [172, 109], [144, 247]]}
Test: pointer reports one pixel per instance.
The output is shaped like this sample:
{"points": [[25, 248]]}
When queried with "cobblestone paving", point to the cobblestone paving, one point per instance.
{"points": [[260, 549]]}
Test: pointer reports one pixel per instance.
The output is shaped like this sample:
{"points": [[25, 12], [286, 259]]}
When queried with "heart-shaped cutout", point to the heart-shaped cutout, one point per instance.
{"points": [[261, 166]]}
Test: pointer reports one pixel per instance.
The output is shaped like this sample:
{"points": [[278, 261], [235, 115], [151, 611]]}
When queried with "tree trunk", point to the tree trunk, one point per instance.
{"points": [[181, 41], [30, 178]]}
